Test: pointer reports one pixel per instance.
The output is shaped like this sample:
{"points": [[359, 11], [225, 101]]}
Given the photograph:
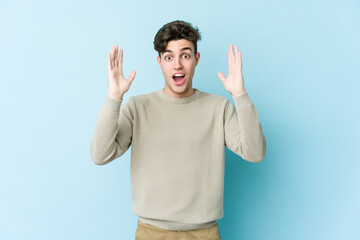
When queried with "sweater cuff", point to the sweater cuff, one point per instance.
{"points": [[112, 105], [242, 101]]}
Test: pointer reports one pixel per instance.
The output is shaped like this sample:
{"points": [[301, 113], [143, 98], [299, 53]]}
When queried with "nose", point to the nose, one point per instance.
{"points": [[178, 63]]}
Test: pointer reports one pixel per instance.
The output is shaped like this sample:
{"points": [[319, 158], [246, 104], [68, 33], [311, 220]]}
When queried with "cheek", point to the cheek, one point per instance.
{"points": [[164, 68], [192, 66], [166, 72]]}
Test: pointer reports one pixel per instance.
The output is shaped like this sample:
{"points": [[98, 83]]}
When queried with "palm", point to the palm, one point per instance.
{"points": [[234, 83], [118, 84]]}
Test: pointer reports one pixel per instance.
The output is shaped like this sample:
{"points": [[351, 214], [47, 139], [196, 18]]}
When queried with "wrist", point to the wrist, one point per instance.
{"points": [[238, 93], [118, 96]]}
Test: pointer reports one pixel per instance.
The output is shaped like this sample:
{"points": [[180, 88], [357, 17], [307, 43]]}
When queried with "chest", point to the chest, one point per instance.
{"points": [[179, 125]]}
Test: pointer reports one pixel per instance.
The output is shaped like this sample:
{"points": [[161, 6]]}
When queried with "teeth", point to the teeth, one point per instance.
{"points": [[179, 75]]}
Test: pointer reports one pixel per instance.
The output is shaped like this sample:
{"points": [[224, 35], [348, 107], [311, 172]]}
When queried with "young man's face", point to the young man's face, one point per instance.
{"points": [[177, 64]]}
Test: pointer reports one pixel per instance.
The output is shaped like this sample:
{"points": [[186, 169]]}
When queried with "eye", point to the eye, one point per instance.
{"points": [[168, 58], [186, 56]]}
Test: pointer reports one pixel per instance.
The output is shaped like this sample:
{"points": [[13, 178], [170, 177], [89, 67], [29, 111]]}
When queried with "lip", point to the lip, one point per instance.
{"points": [[181, 82], [178, 73]]}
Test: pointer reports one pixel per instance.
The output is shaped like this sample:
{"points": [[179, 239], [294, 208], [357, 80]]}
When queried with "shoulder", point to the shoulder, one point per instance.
{"points": [[142, 99]]}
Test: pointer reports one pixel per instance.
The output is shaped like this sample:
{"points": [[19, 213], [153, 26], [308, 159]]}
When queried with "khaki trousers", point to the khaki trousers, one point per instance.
{"points": [[146, 231]]}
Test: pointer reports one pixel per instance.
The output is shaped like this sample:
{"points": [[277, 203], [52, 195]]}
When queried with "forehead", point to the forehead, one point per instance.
{"points": [[179, 45]]}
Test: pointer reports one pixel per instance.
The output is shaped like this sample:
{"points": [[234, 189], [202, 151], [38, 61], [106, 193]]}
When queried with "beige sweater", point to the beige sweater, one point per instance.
{"points": [[177, 152]]}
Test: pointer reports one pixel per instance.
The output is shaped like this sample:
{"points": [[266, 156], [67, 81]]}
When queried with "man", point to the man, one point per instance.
{"points": [[178, 135]]}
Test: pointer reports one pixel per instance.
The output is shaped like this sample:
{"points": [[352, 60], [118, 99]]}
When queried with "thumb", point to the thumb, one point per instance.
{"points": [[221, 76], [132, 75]]}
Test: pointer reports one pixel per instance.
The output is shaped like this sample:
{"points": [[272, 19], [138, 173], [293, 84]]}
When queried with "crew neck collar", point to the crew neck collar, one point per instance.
{"points": [[177, 100]]}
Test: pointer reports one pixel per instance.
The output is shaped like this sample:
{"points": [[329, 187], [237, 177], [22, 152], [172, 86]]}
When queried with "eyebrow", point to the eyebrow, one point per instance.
{"points": [[183, 49]]}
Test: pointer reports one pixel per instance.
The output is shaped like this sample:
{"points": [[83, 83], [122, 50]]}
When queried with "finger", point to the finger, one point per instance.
{"points": [[109, 62], [237, 56], [231, 54], [221, 76], [231, 48], [112, 57], [116, 56], [240, 59], [236, 51], [132, 75], [121, 60]]}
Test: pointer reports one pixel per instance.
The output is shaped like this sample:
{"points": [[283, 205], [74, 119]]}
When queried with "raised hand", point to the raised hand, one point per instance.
{"points": [[118, 84], [234, 83]]}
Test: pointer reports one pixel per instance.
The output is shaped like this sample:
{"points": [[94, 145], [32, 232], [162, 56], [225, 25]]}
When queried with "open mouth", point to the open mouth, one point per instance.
{"points": [[179, 78]]}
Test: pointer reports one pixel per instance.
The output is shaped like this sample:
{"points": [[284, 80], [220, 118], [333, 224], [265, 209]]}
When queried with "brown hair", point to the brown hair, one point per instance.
{"points": [[176, 30]]}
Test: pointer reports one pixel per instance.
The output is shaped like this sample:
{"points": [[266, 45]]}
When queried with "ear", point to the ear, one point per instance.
{"points": [[197, 58], [158, 60]]}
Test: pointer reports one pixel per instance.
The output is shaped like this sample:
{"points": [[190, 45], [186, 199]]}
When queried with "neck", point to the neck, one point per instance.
{"points": [[188, 93]]}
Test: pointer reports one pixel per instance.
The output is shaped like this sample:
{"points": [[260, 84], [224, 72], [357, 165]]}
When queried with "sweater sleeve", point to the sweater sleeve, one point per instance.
{"points": [[113, 132], [243, 132]]}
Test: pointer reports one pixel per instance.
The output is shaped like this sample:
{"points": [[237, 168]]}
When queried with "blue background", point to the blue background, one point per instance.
{"points": [[301, 69]]}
